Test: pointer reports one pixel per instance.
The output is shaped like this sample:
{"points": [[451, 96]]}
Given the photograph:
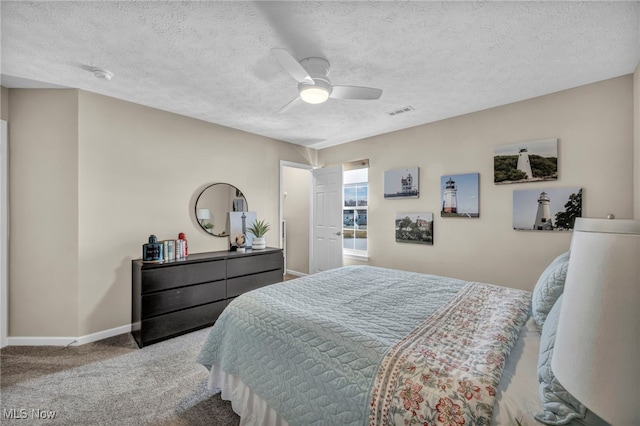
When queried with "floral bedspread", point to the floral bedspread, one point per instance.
{"points": [[446, 371]]}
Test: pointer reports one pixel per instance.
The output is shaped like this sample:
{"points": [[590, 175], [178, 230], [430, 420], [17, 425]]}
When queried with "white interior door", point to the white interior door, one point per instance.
{"points": [[326, 239]]}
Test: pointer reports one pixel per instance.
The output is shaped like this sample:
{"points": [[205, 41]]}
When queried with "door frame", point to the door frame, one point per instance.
{"points": [[308, 167], [4, 231]]}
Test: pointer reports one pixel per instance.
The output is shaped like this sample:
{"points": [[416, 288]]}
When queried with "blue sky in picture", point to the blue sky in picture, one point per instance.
{"points": [[393, 179], [543, 148], [467, 194], [525, 204]]}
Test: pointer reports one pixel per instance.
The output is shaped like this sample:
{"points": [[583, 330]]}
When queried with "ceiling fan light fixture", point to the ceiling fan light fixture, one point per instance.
{"points": [[314, 94], [314, 86]]}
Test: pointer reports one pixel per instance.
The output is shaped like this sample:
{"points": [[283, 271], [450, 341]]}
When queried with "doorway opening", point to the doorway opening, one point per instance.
{"points": [[295, 216]]}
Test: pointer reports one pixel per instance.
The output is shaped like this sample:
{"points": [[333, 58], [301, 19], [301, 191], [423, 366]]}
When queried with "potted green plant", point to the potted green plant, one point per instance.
{"points": [[209, 227], [259, 228]]}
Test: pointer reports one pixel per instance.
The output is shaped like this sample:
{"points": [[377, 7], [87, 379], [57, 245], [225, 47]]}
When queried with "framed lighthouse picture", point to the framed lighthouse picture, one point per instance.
{"points": [[414, 228], [460, 195], [546, 209], [402, 183], [532, 161]]}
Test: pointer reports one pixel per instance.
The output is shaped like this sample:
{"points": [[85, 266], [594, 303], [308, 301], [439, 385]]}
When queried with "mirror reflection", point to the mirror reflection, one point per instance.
{"points": [[212, 206]]}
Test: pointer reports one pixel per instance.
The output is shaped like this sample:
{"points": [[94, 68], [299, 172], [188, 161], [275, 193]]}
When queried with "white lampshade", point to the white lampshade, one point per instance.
{"points": [[596, 355], [203, 214]]}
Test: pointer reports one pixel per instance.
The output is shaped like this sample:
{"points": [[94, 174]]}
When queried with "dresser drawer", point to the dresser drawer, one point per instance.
{"points": [[181, 275], [173, 324], [180, 298], [252, 264], [239, 285]]}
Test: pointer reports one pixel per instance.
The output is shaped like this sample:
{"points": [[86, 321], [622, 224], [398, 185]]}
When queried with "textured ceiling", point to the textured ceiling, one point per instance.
{"points": [[213, 60]]}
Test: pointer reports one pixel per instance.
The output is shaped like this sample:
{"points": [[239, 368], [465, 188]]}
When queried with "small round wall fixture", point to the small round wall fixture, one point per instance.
{"points": [[102, 73]]}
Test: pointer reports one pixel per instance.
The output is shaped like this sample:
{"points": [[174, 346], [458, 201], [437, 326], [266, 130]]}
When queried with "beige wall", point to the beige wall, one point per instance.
{"points": [[4, 103], [594, 125], [296, 211], [119, 172], [636, 142], [92, 177], [43, 203]]}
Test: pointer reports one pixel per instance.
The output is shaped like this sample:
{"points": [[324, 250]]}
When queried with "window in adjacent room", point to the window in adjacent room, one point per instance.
{"points": [[355, 208]]}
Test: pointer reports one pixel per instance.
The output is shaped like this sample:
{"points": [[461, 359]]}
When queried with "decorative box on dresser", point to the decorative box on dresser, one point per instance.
{"points": [[175, 297]]}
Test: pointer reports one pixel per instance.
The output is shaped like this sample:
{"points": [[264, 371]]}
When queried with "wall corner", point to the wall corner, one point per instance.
{"points": [[636, 143]]}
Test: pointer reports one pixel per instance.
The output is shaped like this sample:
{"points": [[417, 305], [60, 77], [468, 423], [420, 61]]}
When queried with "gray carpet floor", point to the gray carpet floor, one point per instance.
{"points": [[110, 382]]}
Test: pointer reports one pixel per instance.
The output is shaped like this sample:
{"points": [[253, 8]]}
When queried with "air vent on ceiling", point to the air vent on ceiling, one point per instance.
{"points": [[400, 111]]}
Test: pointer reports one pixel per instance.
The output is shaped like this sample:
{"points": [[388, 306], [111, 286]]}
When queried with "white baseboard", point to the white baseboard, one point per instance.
{"points": [[40, 341], [296, 273], [67, 341]]}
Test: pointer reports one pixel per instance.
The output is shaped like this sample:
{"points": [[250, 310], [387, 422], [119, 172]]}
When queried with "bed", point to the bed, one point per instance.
{"points": [[362, 345]]}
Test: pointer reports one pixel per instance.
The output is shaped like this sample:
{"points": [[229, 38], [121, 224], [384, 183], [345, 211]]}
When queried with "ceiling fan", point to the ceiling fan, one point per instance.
{"points": [[314, 86]]}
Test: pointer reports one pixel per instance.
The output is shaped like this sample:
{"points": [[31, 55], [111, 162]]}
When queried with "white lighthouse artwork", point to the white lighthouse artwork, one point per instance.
{"points": [[523, 162], [515, 163], [450, 201], [459, 195], [401, 183], [543, 216], [556, 210]]}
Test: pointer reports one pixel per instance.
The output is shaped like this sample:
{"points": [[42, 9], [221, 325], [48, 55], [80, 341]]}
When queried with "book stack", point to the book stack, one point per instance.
{"points": [[169, 249], [164, 250], [174, 249]]}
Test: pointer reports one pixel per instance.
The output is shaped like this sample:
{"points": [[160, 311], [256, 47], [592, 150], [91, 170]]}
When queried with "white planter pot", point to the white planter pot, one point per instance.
{"points": [[259, 243]]}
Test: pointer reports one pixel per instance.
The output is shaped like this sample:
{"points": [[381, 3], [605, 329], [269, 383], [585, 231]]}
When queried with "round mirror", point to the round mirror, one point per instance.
{"points": [[212, 206]]}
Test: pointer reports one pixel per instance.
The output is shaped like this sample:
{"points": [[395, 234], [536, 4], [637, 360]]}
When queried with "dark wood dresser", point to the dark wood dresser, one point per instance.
{"points": [[179, 296]]}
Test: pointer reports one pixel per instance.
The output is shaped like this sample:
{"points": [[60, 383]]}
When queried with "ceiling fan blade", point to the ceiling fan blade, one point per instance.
{"points": [[355, 92], [289, 105], [292, 66]]}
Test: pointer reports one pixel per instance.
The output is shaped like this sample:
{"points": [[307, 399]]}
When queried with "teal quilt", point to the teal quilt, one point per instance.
{"points": [[312, 347]]}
